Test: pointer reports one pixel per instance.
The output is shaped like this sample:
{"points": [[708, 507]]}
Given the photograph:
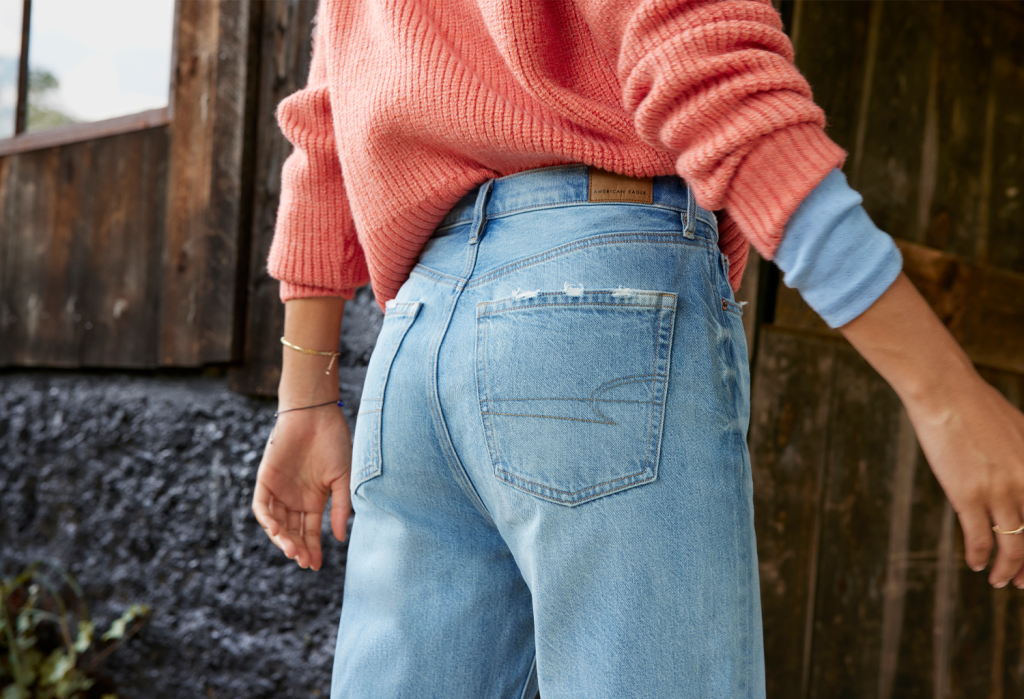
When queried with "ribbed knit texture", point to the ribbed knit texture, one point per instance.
{"points": [[411, 104]]}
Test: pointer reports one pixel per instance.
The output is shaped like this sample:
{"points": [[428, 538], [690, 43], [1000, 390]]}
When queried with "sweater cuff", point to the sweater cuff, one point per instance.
{"points": [[291, 291], [834, 255], [775, 176]]}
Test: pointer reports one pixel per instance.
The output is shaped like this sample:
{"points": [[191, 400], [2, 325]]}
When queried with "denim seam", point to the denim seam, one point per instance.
{"points": [[426, 271], [542, 257], [578, 400], [520, 479], [534, 301], [550, 417], [559, 305], [579, 202], [405, 313], [447, 447], [623, 381], [529, 687]]}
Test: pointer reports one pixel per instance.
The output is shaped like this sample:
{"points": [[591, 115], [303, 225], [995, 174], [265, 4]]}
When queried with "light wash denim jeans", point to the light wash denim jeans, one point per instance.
{"points": [[550, 474]]}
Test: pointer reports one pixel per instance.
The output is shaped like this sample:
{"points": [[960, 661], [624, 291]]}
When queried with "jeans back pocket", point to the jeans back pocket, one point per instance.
{"points": [[366, 443], [572, 389]]}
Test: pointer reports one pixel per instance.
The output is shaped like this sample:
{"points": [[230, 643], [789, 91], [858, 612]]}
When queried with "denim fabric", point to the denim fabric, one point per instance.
{"points": [[550, 474], [834, 254]]}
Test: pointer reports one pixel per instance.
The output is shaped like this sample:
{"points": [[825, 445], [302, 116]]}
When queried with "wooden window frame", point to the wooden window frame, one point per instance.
{"points": [[23, 141]]}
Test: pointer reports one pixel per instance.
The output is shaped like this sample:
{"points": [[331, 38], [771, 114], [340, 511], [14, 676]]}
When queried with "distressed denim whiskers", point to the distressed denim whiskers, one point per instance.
{"points": [[550, 473]]}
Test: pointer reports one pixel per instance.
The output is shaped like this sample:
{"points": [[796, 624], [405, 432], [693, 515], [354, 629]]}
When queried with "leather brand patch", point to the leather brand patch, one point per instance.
{"points": [[610, 186]]}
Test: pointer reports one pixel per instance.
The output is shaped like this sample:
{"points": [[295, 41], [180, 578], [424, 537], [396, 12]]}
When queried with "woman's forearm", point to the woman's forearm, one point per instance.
{"points": [[311, 323], [971, 435], [901, 337]]}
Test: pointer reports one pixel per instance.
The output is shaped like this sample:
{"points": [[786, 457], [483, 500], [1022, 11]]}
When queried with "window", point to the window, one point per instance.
{"points": [[86, 61], [10, 52]]}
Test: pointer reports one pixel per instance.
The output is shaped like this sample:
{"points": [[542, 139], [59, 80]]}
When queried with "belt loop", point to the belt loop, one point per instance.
{"points": [[480, 211], [691, 213]]}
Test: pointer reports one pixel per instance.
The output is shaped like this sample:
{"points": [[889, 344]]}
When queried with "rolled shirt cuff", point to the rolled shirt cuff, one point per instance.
{"points": [[834, 255]]}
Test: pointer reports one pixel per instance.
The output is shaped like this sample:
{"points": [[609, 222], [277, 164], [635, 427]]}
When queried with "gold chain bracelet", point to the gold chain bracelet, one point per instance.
{"points": [[333, 355]]}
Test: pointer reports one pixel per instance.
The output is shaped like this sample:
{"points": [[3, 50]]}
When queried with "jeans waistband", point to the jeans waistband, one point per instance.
{"points": [[563, 185]]}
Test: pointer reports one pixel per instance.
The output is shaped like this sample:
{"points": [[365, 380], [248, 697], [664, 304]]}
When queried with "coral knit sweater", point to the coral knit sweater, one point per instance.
{"points": [[412, 103]]}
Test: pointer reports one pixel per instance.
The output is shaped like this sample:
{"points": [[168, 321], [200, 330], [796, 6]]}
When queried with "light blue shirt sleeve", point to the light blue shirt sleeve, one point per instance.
{"points": [[834, 255]]}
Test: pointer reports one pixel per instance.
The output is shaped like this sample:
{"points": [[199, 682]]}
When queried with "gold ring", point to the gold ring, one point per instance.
{"points": [[1018, 530]]}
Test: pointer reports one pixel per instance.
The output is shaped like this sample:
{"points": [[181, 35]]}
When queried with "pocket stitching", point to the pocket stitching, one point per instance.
{"points": [[405, 313]]}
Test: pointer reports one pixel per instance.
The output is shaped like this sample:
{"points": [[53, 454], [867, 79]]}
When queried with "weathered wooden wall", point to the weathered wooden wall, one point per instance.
{"points": [[864, 588], [286, 47], [125, 251], [81, 235]]}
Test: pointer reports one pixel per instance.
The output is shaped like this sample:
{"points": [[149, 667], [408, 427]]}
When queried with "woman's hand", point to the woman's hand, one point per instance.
{"points": [[972, 437], [309, 454], [309, 460]]}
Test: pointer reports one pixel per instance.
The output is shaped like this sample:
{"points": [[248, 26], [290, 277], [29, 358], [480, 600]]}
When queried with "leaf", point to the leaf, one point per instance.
{"points": [[84, 640], [31, 660], [74, 683], [118, 627], [56, 667], [13, 691], [24, 621]]}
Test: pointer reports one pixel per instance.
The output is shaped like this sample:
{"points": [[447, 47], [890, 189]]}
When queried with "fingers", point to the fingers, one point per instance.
{"points": [[262, 507], [311, 539], [1010, 556], [977, 537], [341, 507], [296, 533]]}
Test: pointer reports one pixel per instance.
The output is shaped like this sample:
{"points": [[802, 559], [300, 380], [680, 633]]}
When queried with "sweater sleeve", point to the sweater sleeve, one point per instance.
{"points": [[713, 82], [834, 255], [315, 251]]}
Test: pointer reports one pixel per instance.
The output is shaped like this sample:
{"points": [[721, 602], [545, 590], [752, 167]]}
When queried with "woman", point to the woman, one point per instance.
{"points": [[549, 470]]}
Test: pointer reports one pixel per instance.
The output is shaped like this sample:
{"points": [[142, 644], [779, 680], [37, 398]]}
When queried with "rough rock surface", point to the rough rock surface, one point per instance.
{"points": [[140, 486]]}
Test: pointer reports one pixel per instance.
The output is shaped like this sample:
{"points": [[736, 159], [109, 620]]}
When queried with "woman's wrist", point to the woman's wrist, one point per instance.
{"points": [[303, 382], [307, 379]]}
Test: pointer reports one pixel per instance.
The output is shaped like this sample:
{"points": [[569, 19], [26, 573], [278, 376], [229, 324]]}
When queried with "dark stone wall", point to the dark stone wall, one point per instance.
{"points": [[140, 486]]}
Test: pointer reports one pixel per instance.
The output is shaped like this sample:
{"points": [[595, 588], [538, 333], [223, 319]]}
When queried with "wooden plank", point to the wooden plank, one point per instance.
{"points": [[76, 133], [863, 429], [28, 230], [81, 236], [285, 45], [961, 109], [830, 39], [886, 161], [228, 217], [1005, 206], [191, 150], [61, 329], [914, 674], [898, 557], [983, 306], [6, 310], [119, 286], [788, 441], [206, 192]]}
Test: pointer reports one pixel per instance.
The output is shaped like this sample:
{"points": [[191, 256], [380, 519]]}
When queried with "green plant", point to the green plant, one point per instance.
{"points": [[39, 658]]}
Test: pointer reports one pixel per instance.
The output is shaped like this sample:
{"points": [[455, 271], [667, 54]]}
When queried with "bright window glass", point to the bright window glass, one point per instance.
{"points": [[96, 59], [10, 53]]}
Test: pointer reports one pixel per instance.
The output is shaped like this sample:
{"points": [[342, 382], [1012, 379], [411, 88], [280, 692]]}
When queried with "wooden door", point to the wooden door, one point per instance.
{"points": [[863, 584]]}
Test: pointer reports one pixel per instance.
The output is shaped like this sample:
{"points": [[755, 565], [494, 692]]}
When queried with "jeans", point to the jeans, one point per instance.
{"points": [[550, 475]]}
